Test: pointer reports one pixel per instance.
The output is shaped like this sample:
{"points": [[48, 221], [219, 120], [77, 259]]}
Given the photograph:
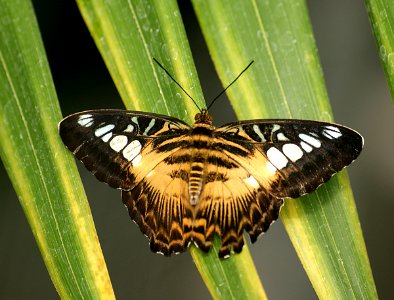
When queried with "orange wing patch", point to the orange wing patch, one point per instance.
{"points": [[232, 201], [229, 207], [159, 205]]}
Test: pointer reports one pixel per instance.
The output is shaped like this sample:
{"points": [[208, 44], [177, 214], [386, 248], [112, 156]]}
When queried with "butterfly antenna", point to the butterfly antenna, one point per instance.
{"points": [[173, 79], [222, 92]]}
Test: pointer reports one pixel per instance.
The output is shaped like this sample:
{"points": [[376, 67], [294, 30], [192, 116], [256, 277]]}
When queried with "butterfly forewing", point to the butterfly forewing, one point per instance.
{"points": [[120, 147], [293, 157], [185, 184]]}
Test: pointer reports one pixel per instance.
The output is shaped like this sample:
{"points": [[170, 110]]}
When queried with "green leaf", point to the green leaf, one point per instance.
{"points": [[286, 82], [381, 15], [43, 174], [232, 278], [129, 34]]}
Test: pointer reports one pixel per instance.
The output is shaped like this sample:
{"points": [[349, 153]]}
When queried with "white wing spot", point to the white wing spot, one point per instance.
{"points": [[252, 182], [292, 151], [333, 128], [85, 116], [103, 130], [134, 120], [306, 147], [107, 137], [151, 124], [277, 158], [132, 150], [85, 120], [270, 167], [334, 132], [129, 128], [275, 127], [326, 133], [257, 130], [281, 137], [118, 142], [310, 140]]}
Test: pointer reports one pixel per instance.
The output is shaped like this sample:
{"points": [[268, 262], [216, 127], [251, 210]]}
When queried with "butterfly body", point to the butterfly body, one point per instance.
{"points": [[185, 184]]}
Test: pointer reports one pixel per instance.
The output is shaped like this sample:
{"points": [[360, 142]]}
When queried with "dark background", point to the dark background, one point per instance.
{"points": [[360, 99]]}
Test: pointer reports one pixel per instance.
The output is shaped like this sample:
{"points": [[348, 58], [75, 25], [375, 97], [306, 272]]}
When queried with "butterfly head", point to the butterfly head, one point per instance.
{"points": [[203, 117]]}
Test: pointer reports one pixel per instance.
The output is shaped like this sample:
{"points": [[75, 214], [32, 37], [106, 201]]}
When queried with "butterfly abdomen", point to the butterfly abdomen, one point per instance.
{"points": [[196, 181], [201, 137]]}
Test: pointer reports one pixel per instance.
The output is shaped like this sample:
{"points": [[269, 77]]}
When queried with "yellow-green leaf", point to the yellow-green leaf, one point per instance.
{"points": [[129, 34], [43, 174], [286, 82], [381, 15]]}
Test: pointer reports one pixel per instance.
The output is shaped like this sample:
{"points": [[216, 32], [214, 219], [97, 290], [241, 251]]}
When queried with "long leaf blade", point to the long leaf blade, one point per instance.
{"points": [[43, 174], [129, 34], [286, 82], [381, 16]]}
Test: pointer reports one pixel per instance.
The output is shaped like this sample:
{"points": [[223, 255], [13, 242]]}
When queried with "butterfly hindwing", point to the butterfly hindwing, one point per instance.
{"points": [[230, 203], [160, 206], [233, 201], [119, 147]]}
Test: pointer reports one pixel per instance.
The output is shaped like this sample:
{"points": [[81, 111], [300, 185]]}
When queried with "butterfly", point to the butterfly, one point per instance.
{"points": [[184, 184]]}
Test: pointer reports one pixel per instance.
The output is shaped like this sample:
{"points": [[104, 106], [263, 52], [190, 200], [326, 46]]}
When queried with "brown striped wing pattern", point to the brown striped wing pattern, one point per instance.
{"points": [[184, 184]]}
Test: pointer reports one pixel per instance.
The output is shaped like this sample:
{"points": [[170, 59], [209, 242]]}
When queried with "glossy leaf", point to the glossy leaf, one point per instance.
{"points": [[129, 34], [286, 82], [381, 16], [43, 174]]}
